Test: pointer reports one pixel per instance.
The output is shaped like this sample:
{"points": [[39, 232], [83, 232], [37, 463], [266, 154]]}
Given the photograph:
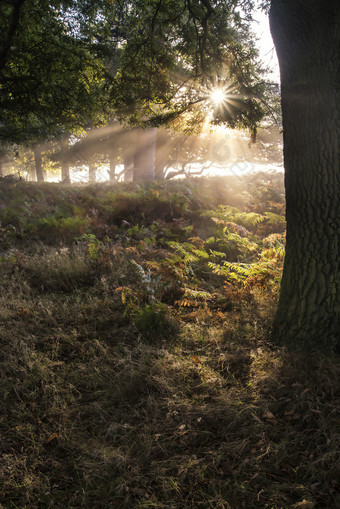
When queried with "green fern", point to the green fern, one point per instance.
{"points": [[224, 214]]}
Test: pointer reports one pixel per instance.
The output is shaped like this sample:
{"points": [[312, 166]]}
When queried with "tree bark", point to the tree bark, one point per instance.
{"points": [[38, 164], [307, 40]]}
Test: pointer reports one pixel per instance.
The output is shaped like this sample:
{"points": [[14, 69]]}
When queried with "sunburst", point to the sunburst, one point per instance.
{"points": [[217, 96]]}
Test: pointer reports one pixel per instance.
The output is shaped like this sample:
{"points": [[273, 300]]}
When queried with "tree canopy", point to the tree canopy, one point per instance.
{"points": [[50, 78], [67, 65]]}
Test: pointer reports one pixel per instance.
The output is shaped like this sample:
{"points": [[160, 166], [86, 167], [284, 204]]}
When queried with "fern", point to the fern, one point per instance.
{"points": [[186, 250], [274, 247], [200, 253], [193, 298], [247, 274], [196, 294], [150, 283], [233, 245], [275, 219], [225, 214]]}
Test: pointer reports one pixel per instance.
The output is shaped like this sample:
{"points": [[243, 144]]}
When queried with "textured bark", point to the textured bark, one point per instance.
{"points": [[307, 39], [144, 158], [38, 164]]}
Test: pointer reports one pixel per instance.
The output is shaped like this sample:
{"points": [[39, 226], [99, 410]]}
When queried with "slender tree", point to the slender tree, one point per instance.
{"points": [[92, 171], [65, 165], [112, 166], [39, 170]]}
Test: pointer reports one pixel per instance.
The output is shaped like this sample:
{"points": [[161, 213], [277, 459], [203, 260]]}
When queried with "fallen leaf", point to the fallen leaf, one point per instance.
{"points": [[305, 504], [196, 359], [268, 415], [52, 437]]}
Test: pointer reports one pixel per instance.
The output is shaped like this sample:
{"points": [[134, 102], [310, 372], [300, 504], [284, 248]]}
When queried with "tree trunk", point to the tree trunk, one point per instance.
{"points": [[144, 158], [307, 40], [161, 154], [92, 172], [128, 147], [65, 167], [112, 171], [38, 164], [128, 168], [32, 174]]}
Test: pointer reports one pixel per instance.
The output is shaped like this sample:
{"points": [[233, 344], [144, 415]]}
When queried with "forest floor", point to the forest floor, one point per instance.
{"points": [[136, 365]]}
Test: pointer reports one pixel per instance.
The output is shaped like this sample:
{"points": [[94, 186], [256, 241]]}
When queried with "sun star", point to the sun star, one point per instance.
{"points": [[217, 96]]}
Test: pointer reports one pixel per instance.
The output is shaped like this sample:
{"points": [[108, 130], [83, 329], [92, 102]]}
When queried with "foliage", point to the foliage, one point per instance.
{"points": [[94, 246], [228, 214], [50, 79], [67, 66], [153, 321]]}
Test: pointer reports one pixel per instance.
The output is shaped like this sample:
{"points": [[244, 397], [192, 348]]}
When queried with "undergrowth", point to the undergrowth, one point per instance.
{"points": [[135, 364]]}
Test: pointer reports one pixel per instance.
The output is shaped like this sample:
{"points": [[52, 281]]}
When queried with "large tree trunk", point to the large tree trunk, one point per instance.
{"points": [[144, 159], [307, 39], [38, 164]]}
